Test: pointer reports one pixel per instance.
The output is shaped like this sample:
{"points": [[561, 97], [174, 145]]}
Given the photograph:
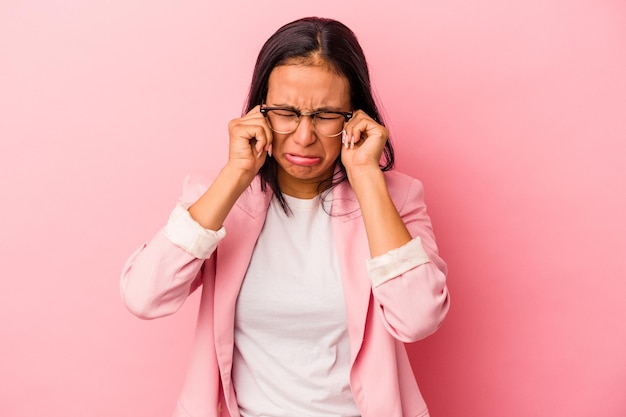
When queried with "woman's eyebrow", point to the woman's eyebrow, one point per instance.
{"points": [[290, 107], [281, 105]]}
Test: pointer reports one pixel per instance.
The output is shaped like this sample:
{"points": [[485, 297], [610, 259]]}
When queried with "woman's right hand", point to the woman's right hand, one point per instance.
{"points": [[250, 139]]}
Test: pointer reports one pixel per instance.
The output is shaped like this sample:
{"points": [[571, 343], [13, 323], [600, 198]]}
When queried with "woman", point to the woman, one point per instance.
{"points": [[329, 264]]}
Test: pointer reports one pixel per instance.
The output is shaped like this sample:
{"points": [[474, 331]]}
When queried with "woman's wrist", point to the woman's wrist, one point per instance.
{"points": [[238, 177], [364, 178], [213, 206]]}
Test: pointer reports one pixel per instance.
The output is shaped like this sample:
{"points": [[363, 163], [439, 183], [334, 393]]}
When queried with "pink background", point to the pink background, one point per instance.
{"points": [[511, 112]]}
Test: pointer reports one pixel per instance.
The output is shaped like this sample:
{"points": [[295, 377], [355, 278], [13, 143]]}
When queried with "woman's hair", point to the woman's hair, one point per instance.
{"points": [[314, 40]]}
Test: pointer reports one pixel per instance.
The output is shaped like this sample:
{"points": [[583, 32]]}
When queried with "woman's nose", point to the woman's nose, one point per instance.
{"points": [[304, 134]]}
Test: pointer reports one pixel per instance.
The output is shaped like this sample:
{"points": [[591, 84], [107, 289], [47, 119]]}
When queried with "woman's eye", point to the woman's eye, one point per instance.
{"points": [[328, 116], [284, 113]]}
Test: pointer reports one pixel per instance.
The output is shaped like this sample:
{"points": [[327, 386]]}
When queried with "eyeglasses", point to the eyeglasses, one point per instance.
{"points": [[284, 121]]}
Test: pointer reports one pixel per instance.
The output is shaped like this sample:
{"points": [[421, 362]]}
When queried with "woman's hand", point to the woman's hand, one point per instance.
{"points": [[363, 144], [250, 139]]}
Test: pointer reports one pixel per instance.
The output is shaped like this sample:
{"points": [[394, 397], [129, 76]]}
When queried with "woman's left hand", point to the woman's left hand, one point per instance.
{"points": [[363, 143], [366, 141]]}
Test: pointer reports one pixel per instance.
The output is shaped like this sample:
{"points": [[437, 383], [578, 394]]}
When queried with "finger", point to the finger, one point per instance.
{"points": [[255, 109], [259, 136], [255, 116], [362, 126], [357, 130], [257, 139]]}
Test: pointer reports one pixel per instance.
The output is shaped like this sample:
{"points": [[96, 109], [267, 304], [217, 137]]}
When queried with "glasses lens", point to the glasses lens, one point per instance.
{"points": [[329, 124], [283, 120]]}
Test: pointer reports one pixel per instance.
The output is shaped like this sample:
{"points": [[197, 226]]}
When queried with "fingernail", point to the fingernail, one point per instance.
{"points": [[269, 150], [352, 142]]}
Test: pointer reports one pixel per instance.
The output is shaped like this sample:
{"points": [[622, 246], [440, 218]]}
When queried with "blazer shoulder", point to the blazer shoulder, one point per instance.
{"points": [[403, 188], [400, 179], [195, 184], [253, 200]]}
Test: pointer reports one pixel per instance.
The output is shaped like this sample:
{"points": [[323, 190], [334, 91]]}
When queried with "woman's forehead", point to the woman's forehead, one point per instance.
{"points": [[308, 82]]}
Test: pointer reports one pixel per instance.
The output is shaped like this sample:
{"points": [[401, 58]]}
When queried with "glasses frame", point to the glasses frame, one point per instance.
{"points": [[265, 109]]}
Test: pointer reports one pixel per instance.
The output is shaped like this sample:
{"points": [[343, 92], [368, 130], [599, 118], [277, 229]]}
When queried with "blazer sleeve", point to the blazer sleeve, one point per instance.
{"points": [[409, 283], [160, 275]]}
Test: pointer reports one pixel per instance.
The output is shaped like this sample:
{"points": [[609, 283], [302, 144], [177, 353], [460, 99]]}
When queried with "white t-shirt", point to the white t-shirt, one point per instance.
{"points": [[292, 354]]}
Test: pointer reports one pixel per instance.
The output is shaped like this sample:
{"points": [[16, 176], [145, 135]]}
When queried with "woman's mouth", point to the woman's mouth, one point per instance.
{"points": [[306, 161]]}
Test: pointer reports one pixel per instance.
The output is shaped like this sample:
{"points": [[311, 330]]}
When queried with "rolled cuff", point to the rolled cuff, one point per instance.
{"points": [[396, 262], [186, 233]]}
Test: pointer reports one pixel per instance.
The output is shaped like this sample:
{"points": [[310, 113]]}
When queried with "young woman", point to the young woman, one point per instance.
{"points": [[316, 262]]}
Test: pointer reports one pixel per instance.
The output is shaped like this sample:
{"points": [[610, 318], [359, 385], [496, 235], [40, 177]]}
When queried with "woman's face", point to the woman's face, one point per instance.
{"points": [[304, 157]]}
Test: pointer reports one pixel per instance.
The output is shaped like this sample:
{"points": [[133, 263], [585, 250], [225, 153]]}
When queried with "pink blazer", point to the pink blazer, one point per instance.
{"points": [[159, 276]]}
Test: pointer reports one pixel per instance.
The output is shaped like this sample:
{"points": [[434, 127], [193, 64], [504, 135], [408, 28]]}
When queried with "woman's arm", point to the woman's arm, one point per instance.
{"points": [[409, 278], [409, 283], [158, 277]]}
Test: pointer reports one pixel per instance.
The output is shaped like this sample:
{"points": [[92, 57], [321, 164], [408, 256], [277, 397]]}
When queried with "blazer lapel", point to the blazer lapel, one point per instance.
{"points": [[243, 226], [352, 250]]}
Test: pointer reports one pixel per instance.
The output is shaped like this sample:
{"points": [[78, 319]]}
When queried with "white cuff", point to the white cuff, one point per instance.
{"points": [[396, 262], [183, 231]]}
